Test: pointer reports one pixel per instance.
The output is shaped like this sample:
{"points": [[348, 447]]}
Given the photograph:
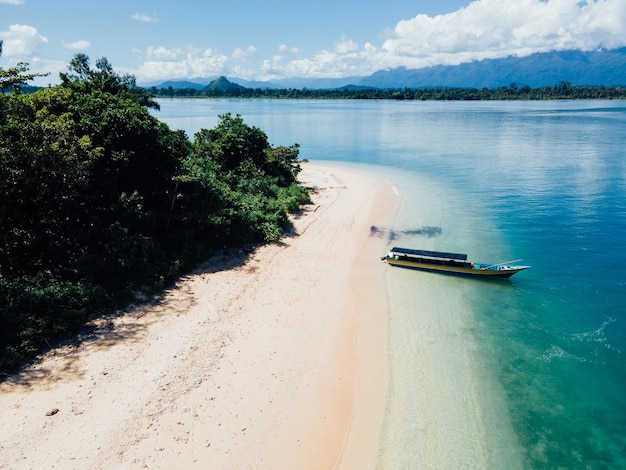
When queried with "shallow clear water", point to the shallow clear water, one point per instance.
{"points": [[533, 370]]}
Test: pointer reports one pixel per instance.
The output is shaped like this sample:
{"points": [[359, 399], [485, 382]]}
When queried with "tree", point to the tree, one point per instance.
{"points": [[232, 143], [284, 163], [103, 78], [15, 77], [564, 88]]}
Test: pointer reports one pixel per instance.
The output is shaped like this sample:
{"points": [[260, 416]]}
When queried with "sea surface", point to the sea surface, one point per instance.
{"points": [[523, 373]]}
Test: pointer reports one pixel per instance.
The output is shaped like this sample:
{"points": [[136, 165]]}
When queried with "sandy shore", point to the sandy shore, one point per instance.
{"points": [[276, 362]]}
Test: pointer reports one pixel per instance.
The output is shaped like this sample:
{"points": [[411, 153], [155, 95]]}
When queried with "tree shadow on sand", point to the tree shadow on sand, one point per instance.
{"points": [[62, 360]]}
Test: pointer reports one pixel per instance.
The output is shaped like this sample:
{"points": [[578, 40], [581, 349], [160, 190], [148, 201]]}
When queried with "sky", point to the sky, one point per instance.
{"points": [[157, 40]]}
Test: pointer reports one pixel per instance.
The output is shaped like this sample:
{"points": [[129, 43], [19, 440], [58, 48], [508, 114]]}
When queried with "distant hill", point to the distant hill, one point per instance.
{"points": [[537, 70], [219, 83], [607, 67], [222, 83]]}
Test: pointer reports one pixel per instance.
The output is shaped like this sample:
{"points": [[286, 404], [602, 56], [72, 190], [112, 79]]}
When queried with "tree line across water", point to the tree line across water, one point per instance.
{"points": [[562, 90], [101, 202]]}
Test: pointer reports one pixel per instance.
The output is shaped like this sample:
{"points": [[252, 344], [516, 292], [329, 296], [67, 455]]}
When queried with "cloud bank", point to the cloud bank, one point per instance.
{"points": [[186, 62], [490, 29], [485, 29]]}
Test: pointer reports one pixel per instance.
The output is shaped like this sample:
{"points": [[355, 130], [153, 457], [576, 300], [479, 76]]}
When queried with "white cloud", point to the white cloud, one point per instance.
{"points": [[21, 41], [161, 54], [244, 55], [345, 46], [80, 45], [144, 18], [285, 48], [12, 2], [187, 62], [346, 59]]}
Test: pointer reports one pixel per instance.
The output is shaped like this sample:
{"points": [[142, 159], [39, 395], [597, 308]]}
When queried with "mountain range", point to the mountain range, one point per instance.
{"points": [[580, 68]]}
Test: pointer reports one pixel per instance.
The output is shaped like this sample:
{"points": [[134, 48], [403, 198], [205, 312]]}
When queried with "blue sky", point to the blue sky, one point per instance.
{"points": [[159, 39]]}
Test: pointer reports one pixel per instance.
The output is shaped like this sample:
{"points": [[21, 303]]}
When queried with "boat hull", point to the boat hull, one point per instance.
{"points": [[502, 273]]}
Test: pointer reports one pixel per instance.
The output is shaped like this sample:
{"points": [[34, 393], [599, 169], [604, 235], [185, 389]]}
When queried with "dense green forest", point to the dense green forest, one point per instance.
{"points": [[99, 200], [562, 90]]}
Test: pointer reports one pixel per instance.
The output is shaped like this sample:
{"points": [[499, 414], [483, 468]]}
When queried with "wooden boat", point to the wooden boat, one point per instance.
{"points": [[449, 263]]}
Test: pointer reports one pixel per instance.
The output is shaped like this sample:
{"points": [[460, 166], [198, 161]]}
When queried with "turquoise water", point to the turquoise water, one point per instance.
{"points": [[533, 372]]}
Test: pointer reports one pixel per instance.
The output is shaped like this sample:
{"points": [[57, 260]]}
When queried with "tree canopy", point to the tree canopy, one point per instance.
{"points": [[104, 78], [99, 199]]}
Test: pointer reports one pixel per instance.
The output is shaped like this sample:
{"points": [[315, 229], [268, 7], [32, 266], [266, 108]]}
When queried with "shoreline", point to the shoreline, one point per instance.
{"points": [[363, 441], [445, 406], [279, 361]]}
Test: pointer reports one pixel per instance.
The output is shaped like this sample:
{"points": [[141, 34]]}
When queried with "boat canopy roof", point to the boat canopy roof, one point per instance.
{"points": [[429, 254]]}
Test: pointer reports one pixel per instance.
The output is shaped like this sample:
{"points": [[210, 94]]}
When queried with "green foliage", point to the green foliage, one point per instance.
{"points": [[14, 78], [41, 308], [232, 143], [99, 199], [104, 78], [293, 197], [283, 163]]}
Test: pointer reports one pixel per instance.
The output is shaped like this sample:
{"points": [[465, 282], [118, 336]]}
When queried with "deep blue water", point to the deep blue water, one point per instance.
{"points": [[542, 181]]}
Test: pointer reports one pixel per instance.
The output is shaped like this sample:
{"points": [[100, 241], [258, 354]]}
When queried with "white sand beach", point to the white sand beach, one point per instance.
{"points": [[279, 362]]}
